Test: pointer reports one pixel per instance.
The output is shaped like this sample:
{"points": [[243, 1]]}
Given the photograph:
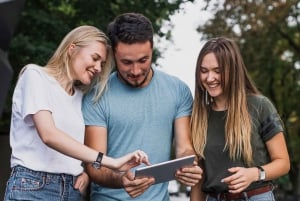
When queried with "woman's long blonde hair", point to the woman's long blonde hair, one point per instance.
{"points": [[59, 64], [238, 123]]}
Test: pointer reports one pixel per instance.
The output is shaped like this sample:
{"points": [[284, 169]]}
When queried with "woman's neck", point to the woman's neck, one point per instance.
{"points": [[67, 86], [63, 80], [219, 105]]}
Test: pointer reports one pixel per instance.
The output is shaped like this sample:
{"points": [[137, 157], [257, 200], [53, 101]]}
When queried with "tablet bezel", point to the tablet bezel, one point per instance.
{"points": [[165, 171]]}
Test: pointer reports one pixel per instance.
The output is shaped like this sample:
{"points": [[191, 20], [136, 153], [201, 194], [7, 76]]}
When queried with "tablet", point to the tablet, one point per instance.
{"points": [[165, 171]]}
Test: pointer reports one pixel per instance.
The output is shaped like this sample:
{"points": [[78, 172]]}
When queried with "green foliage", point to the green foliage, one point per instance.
{"points": [[268, 33], [44, 23]]}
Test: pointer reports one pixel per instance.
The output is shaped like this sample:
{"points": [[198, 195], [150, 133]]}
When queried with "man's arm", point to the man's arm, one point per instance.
{"points": [[96, 138], [189, 176], [196, 191], [183, 142]]}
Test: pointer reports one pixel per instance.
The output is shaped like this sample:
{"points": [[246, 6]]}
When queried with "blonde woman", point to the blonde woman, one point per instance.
{"points": [[235, 130], [47, 128]]}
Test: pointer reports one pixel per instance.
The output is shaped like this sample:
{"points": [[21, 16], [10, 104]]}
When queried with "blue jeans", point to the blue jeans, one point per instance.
{"points": [[26, 184], [268, 196]]}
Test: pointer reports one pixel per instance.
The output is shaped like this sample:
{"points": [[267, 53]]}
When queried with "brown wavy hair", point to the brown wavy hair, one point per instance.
{"points": [[239, 85]]}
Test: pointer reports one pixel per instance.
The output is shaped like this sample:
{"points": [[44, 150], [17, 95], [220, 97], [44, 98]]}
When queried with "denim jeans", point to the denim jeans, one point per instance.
{"points": [[268, 196], [26, 184]]}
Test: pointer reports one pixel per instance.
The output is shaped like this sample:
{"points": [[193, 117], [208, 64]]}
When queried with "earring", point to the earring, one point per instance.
{"points": [[206, 97]]}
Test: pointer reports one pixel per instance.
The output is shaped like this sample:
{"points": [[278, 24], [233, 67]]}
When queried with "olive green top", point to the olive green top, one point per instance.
{"points": [[266, 124]]}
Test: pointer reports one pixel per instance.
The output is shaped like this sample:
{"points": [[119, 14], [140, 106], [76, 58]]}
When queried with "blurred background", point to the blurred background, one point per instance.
{"points": [[267, 31]]}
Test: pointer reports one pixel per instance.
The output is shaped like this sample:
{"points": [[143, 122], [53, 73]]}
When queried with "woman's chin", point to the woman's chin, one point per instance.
{"points": [[86, 81]]}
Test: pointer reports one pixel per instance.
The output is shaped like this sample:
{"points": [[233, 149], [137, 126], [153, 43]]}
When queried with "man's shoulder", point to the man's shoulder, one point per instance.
{"points": [[161, 72], [162, 75]]}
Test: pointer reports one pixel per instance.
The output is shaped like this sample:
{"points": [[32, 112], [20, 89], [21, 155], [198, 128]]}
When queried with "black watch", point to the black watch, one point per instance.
{"points": [[262, 174], [97, 163]]}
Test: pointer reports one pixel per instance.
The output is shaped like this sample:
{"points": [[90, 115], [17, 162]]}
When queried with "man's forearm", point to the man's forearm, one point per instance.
{"points": [[184, 151], [105, 177]]}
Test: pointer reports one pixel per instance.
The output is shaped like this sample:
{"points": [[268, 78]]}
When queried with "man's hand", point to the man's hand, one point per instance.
{"points": [[82, 183], [189, 176], [135, 187]]}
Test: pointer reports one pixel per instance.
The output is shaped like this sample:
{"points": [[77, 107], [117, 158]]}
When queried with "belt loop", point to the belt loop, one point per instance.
{"points": [[245, 195], [13, 170]]}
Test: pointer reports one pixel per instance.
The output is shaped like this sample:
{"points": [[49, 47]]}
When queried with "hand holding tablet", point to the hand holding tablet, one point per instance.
{"points": [[165, 171]]}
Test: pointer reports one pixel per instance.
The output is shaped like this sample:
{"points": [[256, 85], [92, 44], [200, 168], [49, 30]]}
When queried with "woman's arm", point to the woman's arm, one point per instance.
{"points": [[63, 143], [242, 177], [280, 162]]}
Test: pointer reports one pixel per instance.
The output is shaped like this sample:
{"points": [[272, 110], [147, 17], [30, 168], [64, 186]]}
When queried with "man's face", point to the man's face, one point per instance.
{"points": [[134, 63]]}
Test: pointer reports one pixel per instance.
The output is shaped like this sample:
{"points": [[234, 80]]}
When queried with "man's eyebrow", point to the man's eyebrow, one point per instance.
{"points": [[144, 57]]}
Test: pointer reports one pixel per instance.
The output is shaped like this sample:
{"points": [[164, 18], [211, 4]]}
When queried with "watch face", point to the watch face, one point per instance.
{"points": [[96, 165]]}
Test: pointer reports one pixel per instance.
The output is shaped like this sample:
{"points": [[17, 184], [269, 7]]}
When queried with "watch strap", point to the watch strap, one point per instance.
{"points": [[262, 174], [97, 163]]}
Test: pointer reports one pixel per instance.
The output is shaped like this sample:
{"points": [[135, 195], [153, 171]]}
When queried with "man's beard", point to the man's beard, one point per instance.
{"points": [[136, 84]]}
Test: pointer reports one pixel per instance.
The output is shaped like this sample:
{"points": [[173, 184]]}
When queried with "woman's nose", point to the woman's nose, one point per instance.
{"points": [[98, 67], [210, 76]]}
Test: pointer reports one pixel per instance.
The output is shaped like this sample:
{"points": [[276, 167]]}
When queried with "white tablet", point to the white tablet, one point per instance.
{"points": [[165, 171]]}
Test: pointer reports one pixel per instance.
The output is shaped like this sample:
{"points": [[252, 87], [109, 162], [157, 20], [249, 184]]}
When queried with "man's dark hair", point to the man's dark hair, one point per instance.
{"points": [[130, 28]]}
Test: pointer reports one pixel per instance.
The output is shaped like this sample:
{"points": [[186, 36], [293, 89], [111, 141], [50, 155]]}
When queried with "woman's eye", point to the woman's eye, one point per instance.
{"points": [[218, 70], [203, 70]]}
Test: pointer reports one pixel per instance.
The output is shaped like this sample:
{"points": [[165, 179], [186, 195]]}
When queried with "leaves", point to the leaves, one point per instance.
{"points": [[44, 23]]}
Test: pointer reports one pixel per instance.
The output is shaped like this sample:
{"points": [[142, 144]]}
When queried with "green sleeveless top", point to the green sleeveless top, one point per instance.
{"points": [[265, 124]]}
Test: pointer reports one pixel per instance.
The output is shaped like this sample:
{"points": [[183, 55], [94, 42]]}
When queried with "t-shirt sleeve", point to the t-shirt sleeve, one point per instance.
{"points": [[93, 113], [271, 123], [31, 94], [185, 101]]}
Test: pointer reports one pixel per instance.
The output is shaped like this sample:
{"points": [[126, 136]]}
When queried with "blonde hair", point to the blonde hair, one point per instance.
{"points": [[238, 123], [59, 64]]}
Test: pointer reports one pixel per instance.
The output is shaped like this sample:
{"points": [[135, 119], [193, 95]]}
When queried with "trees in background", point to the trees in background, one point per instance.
{"points": [[267, 31], [44, 23], [268, 34]]}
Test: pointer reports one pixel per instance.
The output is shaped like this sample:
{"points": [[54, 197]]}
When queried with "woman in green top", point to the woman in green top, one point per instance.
{"points": [[236, 131]]}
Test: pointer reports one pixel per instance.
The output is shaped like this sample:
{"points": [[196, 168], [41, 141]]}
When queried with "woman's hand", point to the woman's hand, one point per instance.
{"points": [[241, 178], [131, 160]]}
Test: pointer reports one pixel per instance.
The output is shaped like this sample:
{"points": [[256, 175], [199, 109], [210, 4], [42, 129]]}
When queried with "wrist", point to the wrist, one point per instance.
{"points": [[109, 162], [97, 163], [120, 179], [261, 174]]}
